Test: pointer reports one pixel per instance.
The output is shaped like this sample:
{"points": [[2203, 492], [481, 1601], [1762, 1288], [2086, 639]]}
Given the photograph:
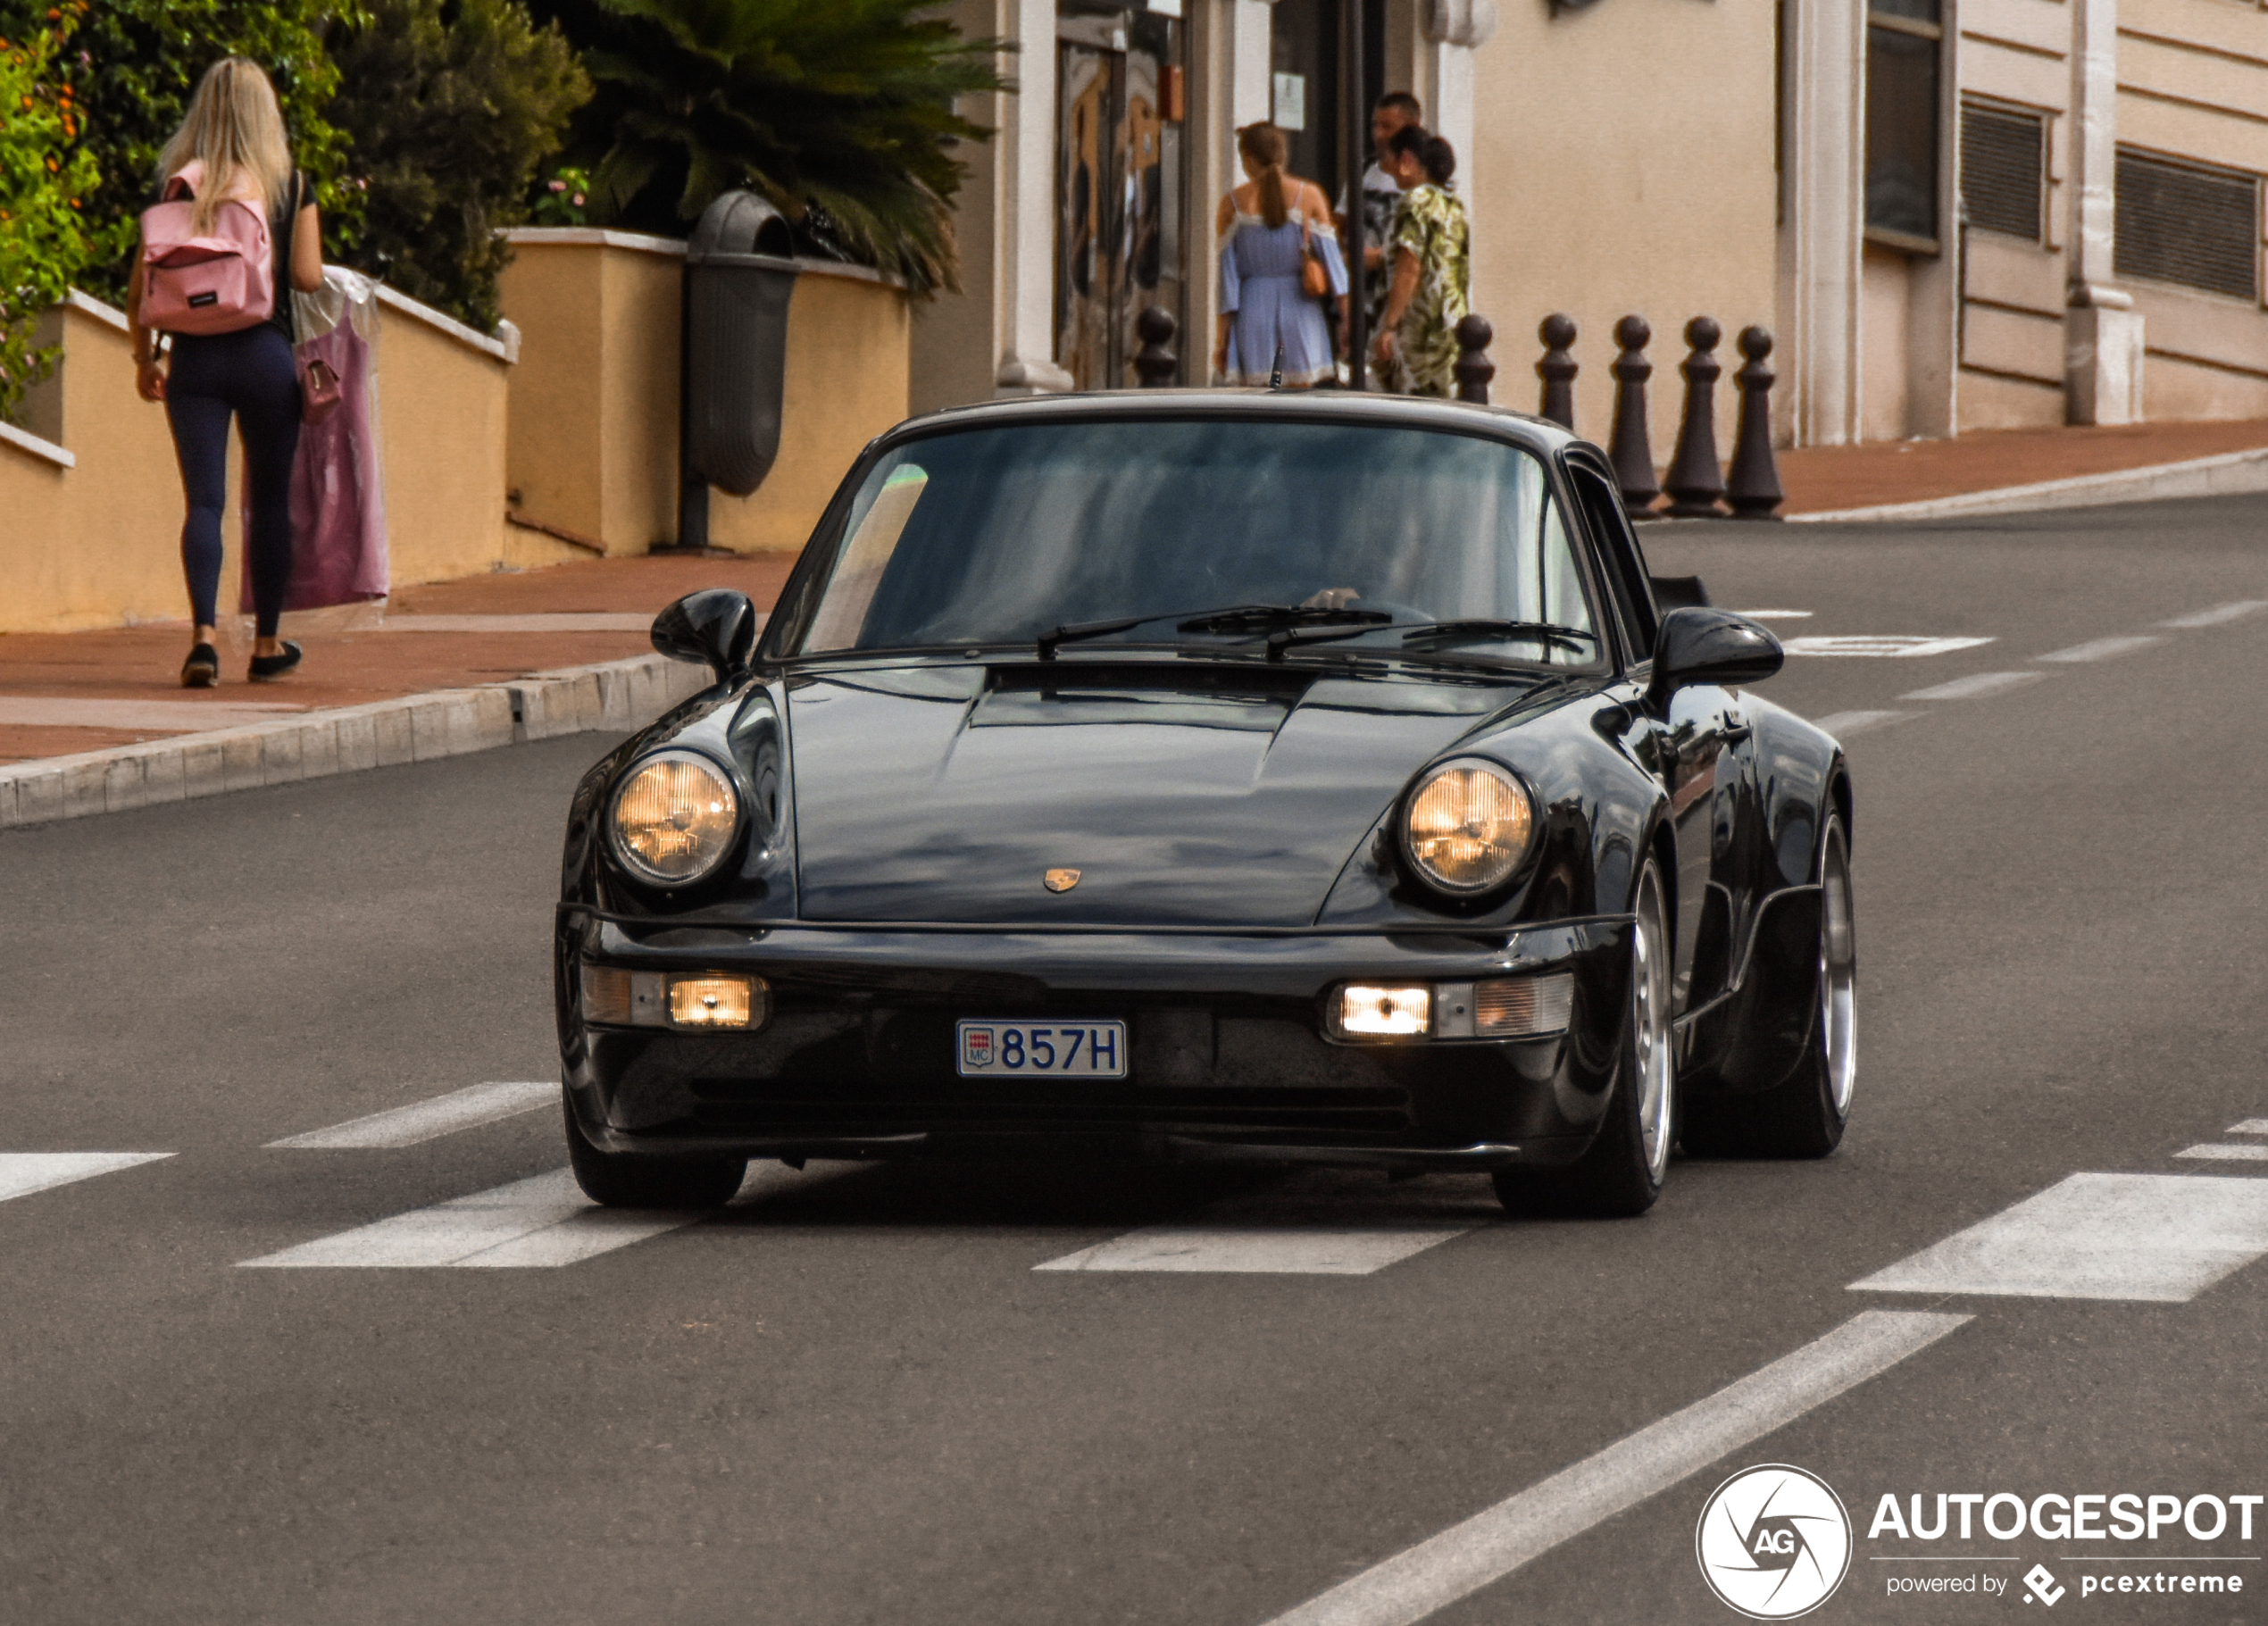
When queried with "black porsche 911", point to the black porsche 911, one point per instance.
{"points": [[1213, 775]]}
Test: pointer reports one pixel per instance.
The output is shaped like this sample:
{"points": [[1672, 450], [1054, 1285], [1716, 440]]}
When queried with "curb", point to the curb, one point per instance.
{"points": [[624, 694], [2229, 474]]}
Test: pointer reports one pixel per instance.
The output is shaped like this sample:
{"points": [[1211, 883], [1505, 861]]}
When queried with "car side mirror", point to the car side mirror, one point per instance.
{"points": [[1700, 645], [716, 628]]}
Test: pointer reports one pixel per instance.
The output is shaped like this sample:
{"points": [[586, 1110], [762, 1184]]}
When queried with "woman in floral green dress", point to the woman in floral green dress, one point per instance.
{"points": [[1432, 249]]}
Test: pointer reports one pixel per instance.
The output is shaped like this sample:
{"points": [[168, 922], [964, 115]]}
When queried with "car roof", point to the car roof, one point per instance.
{"points": [[1250, 405]]}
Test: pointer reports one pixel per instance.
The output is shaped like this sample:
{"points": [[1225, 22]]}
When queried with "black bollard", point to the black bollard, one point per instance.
{"points": [[1557, 370], [1631, 451], [1154, 364], [1697, 480], [1754, 486], [1474, 367]]}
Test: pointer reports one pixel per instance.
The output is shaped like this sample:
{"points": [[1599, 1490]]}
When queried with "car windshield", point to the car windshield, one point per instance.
{"points": [[1003, 536]]}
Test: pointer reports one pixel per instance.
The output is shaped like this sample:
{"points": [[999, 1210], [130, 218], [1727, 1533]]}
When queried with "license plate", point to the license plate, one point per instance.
{"points": [[1058, 1049]]}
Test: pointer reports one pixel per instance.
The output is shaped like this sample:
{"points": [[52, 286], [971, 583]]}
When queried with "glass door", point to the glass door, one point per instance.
{"points": [[1119, 193]]}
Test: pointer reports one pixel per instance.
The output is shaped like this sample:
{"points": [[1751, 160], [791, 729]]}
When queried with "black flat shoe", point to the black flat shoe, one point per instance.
{"points": [[202, 670], [268, 668]]}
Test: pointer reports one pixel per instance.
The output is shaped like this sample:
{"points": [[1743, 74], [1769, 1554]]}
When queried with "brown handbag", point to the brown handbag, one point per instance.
{"points": [[1314, 280]]}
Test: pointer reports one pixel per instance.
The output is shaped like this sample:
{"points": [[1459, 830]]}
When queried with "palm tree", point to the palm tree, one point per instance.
{"points": [[840, 112]]}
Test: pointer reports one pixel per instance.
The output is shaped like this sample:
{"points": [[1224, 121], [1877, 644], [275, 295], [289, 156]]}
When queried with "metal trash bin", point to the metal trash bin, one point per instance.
{"points": [[740, 273]]}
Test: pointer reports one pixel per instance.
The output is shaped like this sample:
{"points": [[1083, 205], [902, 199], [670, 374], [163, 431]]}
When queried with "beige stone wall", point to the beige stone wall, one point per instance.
{"points": [[90, 496], [594, 408], [2192, 83], [594, 442], [1623, 164]]}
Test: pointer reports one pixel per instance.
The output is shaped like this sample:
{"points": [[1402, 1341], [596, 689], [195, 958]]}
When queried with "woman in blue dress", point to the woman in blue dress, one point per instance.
{"points": [[1267, 226]]}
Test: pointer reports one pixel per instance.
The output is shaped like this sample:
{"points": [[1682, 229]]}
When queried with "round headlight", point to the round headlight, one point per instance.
{"points": [[1469, 826], [674, 817]]}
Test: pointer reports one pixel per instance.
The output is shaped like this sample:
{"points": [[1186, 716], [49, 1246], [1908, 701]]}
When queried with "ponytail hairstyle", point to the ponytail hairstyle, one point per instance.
{"points": [[235, 130], [1264, 144]]}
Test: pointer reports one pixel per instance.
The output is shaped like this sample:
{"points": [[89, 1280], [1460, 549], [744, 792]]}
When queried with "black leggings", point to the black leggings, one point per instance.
{"points": [[248, 373]]}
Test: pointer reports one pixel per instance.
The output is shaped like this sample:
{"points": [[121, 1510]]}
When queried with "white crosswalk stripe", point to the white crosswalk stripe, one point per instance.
{"points": [[2221, 1151], [1974, 685], [2218, 615], [425, 1121], [1842, 725], [22, 1173], [2100, 649], [2156, 1238], [1879, 646], [1247, 1250], [543, 1222], [2250, 1126]]}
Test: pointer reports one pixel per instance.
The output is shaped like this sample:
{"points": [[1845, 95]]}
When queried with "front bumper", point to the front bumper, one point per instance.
{"points": [[1227, 1056]]}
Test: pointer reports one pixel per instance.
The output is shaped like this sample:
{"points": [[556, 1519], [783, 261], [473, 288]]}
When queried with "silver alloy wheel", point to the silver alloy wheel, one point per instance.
{"points": [[1656, 1072], [1838, 975]]}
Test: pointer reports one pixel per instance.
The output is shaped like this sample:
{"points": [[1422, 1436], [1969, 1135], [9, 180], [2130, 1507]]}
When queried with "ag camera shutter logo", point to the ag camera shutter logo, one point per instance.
{"points": [[1773, 1542]]}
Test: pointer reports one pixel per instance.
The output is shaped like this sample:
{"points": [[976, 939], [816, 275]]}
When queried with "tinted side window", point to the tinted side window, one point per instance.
{"points": [[1625, 565]]}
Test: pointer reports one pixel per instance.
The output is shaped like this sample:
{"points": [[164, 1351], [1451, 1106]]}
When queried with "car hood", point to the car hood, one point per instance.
{"points": [[1184, 792]]}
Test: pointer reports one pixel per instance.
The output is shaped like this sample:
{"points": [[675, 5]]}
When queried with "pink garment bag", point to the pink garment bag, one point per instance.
{"points": [[338, 485]]}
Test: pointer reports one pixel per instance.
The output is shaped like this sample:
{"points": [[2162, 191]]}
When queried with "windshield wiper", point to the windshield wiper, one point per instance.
{"points": [[1545, 633], [1412, 632], [1234, 618]]}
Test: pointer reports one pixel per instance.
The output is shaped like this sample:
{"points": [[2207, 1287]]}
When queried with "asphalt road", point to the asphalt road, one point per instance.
{"points": [[852, 1397]]}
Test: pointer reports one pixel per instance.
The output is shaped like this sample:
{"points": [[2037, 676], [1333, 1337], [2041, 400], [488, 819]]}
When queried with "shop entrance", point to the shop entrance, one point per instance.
{"points": [[1120, 171]]}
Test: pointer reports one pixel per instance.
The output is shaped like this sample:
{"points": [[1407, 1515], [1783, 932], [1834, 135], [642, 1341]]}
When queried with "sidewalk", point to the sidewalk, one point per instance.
{"points": [[1824, 480], [72, 692]]}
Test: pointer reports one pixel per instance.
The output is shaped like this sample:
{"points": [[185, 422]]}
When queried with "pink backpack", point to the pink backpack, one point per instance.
{"points": [[217, 283]]}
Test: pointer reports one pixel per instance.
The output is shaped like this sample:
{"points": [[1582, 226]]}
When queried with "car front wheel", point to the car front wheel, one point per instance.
{"points": [[1621, 1174], [626, 1179]]}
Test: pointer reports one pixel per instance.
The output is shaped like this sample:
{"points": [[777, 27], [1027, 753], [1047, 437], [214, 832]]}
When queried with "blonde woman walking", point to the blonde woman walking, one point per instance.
{"points": [[231, 148], [1269, 226]]}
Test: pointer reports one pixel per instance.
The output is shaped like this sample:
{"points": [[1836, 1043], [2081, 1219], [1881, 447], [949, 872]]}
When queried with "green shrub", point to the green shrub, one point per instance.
{"points": [[132, 66], [451, 107], [44, 183], [840, 112]]}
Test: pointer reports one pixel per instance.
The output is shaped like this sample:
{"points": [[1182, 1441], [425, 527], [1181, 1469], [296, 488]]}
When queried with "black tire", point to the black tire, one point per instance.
{"points": [[1620, 1174], [1803, 1117], [625, 1180]]}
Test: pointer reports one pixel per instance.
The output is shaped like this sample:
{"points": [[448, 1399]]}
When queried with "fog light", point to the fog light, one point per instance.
{"points": [[1522, 1007], [716, 1002], [1366, 1012]]}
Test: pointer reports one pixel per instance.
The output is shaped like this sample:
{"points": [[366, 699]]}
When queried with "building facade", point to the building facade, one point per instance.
{"points": [[1953, 215]]}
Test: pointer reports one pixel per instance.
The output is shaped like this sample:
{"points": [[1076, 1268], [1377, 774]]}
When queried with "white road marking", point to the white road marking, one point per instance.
{"points": [[1974, 685], [2216, 1151], [1842, 725], [2218, 615], [2159, 1238], [542, 1221], [1491, 1545], [1902, 648], [2250, 1126], [1775, 615], [513, 1222], [1246, 1250], [22, 1173], [2101, 648], [425, 1121]]}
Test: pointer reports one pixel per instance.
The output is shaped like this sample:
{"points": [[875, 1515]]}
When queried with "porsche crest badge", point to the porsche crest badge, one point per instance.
{"points": [[1060, 880]]}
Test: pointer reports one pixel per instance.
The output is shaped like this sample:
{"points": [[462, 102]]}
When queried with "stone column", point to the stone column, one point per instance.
{"points": [[1824, 215], [2102, 330], [1024, 275], [1449, 32]]}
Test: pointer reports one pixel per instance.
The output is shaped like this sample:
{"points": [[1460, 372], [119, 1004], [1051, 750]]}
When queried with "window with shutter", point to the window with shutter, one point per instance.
{"points": [[2188, 223], [2002, 166]]}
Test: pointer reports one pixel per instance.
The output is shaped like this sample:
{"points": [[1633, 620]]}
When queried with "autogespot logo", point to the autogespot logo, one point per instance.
{"points": [[1774, 1542]]}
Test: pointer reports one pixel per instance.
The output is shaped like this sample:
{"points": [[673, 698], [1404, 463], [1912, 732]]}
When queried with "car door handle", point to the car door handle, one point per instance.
{"points": [[1734, 733]]}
